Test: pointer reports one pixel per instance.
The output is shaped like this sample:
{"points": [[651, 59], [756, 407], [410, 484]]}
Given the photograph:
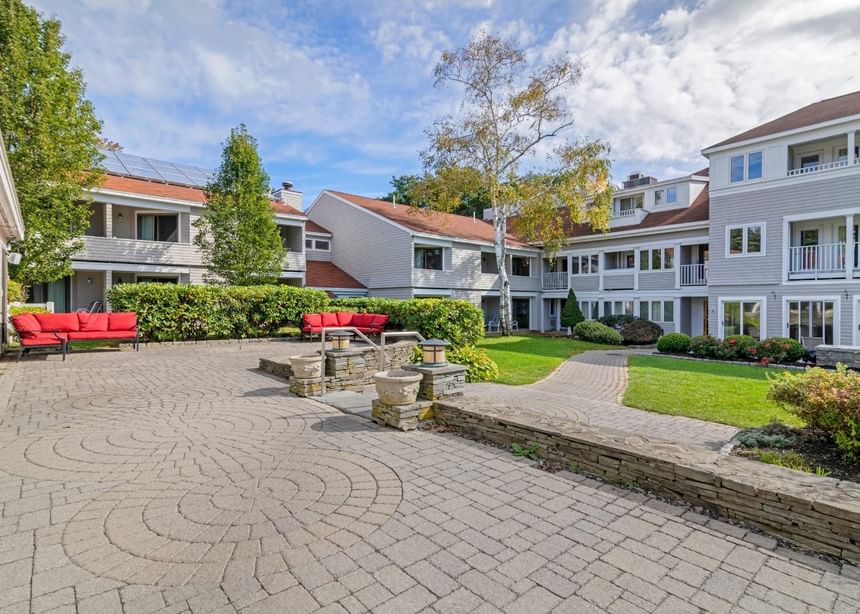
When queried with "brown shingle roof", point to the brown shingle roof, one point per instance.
{"points": [[429, 222], [169, 190], [825, 110], [312, 226], [321, 274], [698, 211]]}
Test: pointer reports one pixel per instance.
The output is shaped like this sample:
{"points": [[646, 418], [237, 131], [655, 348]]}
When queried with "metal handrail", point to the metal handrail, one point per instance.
{"points": [[322, 351], [401, 333]]}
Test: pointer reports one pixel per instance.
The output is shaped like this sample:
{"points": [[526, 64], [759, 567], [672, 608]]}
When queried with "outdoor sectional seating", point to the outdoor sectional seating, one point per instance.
{"points": [[57, 330], [367, 323]]}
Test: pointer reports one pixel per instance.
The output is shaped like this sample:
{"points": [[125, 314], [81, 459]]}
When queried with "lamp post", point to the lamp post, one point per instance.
{"points": [[340, 340], [433, 353]]}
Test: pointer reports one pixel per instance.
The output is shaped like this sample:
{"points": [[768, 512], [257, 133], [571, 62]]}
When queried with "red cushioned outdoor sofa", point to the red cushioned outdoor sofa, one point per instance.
{"points": [[56, 330], [367, 323]]}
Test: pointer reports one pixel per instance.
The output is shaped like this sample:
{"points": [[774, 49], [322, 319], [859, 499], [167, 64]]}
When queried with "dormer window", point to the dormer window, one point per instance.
{"points": [[737, 168], [671, 196], [754, 165]]}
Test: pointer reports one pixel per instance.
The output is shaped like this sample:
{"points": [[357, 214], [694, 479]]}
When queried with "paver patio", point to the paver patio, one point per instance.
{"points": [[182, 480], [588, 388]]}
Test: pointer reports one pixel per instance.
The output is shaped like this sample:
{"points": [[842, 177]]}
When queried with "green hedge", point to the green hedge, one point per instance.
{"points": [[171, 312], [459, 322]]}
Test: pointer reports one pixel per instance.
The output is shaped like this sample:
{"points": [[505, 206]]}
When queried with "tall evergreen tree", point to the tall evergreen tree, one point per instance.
{"points": [[52, 138], [238, 236], [571, 314]]}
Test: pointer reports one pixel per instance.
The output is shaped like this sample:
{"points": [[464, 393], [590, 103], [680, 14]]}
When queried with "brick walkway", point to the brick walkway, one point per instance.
{"points": [[182, 480], [588, 388]]}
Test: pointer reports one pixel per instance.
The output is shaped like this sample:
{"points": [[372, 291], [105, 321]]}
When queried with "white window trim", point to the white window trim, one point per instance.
{"points": [[672, 203], [746, 227], [531, 266], [837, 313], [585, 255], [741, 299], [158, 213], [746, 167], [314, 247], [663, 300], [445, 258], [662, 268], [743, 157]]}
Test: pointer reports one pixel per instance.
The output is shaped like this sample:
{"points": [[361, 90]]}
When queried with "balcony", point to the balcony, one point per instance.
{"points": [[555, 281], [694, 275], [294, 261], [825, 261], [825, 166]]}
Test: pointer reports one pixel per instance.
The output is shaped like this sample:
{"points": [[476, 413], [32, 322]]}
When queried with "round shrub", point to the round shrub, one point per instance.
{"points": [[617, 321], [597, 333], [781, 350], [482, 368], [704, 346], [673, 343], [19, 309], [641, 332], [738, 347]]}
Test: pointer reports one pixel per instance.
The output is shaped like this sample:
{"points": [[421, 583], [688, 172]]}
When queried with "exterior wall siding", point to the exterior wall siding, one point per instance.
{"points": [[657, 280]]}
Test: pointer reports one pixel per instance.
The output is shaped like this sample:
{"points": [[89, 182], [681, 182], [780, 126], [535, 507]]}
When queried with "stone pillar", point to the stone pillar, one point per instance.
{"points": [[440, 382]]}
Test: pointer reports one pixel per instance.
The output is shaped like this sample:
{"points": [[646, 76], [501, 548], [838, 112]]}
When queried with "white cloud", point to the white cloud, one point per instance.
{"points": [[398, 41], [664, 90]]}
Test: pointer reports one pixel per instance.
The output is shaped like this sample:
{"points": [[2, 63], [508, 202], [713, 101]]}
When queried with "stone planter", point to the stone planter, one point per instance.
{"points": [[397, 387], [306, 366]]}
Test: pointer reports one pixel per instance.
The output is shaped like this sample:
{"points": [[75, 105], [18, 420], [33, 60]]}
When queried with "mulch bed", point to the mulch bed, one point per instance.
{"points": [[815, 448]]}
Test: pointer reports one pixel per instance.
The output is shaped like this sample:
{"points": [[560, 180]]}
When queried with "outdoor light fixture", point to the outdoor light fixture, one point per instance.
{"points": [[119, 216], [433, 353], [89, 280], [340, 340]]}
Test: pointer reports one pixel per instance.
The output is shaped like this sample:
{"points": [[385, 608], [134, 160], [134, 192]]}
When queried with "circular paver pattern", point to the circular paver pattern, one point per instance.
{"points": [[170, 532]]}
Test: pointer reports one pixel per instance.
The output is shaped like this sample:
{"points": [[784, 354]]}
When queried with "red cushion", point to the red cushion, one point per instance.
{"points": [[311, 320], [118, 320], [93, 321], [102, 334], [26, 325], [379, 320], [329, 320], [359, 319], [61, 322], [42, 339], [345, 318]]}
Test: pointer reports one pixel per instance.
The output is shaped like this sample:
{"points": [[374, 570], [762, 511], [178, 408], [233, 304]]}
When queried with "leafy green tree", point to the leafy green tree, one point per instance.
{"points": [[52, 138], [402, 192], [238, 237], [571, 314], [506, 115], [422, 190]]}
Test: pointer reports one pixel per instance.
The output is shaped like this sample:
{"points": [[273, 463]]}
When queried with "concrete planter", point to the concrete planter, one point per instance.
{"points": [[306, 366], [397, 387]]}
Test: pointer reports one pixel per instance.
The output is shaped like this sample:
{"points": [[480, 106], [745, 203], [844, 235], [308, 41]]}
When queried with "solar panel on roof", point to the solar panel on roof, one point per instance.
{"points": [[148, 168]]}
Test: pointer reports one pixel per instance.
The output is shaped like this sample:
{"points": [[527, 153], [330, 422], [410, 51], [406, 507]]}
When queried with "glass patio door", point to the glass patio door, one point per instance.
{"points": [[811, 319]]}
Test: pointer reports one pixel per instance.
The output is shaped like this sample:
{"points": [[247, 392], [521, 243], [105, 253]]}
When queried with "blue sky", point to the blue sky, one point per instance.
{"points": [[338, 93]]}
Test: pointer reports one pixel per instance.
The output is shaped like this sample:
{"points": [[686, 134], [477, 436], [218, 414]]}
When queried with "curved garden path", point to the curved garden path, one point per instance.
{"points": [[588, 388]]}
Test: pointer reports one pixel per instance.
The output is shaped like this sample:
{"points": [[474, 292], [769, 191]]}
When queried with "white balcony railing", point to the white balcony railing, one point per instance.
{"points": [[694, 275], [294, 261], [813, 261], [555, 281], [623, 212], [824, 166]]}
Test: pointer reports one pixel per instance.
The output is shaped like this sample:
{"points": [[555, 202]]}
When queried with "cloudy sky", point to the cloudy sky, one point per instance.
{"points": [[339, 92]]}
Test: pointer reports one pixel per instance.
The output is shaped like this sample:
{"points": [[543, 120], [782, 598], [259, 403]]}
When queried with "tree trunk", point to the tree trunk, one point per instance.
{"points": [[500, 227]]}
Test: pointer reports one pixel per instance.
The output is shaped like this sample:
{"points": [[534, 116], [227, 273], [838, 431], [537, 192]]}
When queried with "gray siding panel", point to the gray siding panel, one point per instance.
{"points": [[662, 280], [623, 281], [585, 283]]}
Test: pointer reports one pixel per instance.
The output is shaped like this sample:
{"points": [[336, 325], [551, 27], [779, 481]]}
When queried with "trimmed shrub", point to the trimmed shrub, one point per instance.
{"points": [[704, 346], [16, 292], [172, 312], [641, 332], [780, 349], [674, 343], [826, 400], [571, 314], [738, 347], [617, 322], [482, 368], [459, 322], [597, 333], [14, 311]]}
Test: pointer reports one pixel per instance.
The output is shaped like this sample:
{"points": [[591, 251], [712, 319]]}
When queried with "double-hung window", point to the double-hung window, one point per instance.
{"points": [[657, 259], [745, 240], [742, 318], [588, 264], [657, 311]]}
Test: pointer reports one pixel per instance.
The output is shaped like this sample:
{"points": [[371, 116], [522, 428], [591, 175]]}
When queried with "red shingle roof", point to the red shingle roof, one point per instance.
{"points": [[698, 211], [446, 225], [321, 274], [312, 226], [169, 190], [823, 111]]}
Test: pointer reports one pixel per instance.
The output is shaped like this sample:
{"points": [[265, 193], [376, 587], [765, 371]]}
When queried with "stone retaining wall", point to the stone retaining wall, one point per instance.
{"points": [[831, 355], [821, 513]]}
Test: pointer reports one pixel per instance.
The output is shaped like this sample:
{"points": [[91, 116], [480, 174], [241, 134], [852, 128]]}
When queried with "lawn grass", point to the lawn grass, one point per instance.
{"points": [[725, 393], [525, 359]]}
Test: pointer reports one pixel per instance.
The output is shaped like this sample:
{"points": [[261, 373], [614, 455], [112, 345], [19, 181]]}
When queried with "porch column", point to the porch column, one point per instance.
{"points": [[108, 286], [677, 264], [601, 266], [558, 315], [543, 308], [849, 246], [108, 220], [852, 143], [636, 268]]}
